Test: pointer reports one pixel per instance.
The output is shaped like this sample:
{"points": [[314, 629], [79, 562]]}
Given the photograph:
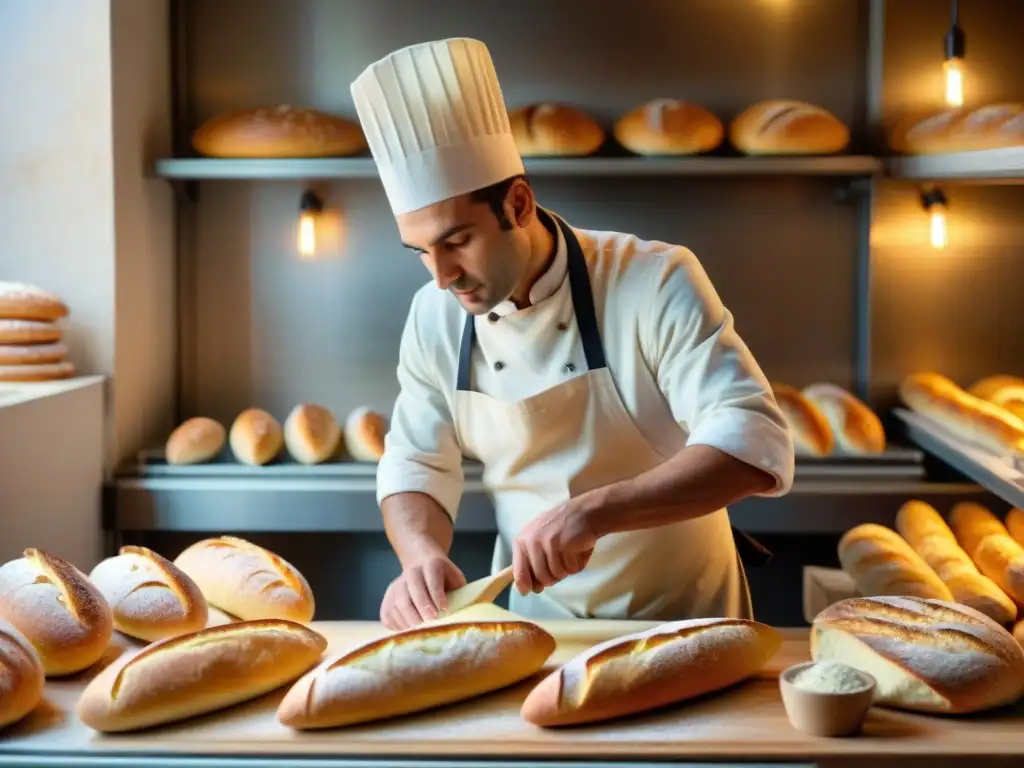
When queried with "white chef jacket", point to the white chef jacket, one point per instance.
{"points": [[682, 372]]}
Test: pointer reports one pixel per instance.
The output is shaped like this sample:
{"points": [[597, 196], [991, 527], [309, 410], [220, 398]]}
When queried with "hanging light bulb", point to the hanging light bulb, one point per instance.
{"points": [[954, 63], [309, 208], [934, 202]]}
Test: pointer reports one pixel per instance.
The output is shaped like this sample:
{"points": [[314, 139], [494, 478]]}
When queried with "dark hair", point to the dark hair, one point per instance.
{"points": [[494, 198]]}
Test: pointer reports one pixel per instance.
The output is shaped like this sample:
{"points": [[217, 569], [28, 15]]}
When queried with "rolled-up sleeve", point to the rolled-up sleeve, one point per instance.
{"points": [[715, 388], [421, 451]]}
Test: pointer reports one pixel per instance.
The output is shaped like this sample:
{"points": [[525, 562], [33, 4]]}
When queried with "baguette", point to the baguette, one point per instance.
{"points": [[991, 126], [857, 429], [21, 675], [655, 668], [58, 609], [416, 670], [967, 417], [551, 129], [247, 581], [925, 655], [1005, 391], [280, 131], [812, 435], [197, 673], [788, 127], [669, 127], [991, 547], [195, 441], [311, 434], [151, 598], [925, 530], [882, 563]]}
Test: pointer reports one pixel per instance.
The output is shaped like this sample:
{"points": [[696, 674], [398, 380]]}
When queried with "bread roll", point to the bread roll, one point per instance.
{"points": [[1004, 391], [58, 609], [882, 563], [29, 332], [1018, 632], [925, 655], [551, 129], [967, 417], [857, 429], [669, 127], [416, 670], [281, 131], [925, 530], [991, 547], [256, 438], [645, 670], [44, 372], [201, 672], [812, 435], [787, 127], [21, 301], [364, 434], [21, 675], [32, 354], [150, 597], [311, 434], [960, 130], [247, 581], [195, 441], [1015, 525]]}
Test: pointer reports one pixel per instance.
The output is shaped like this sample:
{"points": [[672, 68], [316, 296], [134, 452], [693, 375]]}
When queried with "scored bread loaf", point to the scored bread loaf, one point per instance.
{"points": [[991, 547], [58, 609], [1004, 391], [29, 332], [552, 129], [197, 673], [1015, 525], [925, 530], [195, 441], [311, 434], [42, 372], [280, 131], [787, 127], [416, 670], [925, 655], [365, 430], [881, 563], [812, 435], [21, 301], [32, 354], [645, 670], [246, 580], [991, 126], [150, 597], [669, 127], [856, 428], [21, 675], [962, 414], [256, 437]]}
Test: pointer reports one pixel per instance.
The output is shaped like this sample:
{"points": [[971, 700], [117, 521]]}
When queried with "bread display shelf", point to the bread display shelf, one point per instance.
{"points": [[196, 169], [995, 474], [744, 723], [999, 166]]}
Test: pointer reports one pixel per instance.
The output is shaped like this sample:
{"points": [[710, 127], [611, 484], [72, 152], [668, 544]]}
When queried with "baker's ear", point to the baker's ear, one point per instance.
{"points": [[522, 202]]}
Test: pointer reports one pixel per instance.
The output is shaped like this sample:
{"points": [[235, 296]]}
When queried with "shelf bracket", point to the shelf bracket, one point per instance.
{"points": [[851, 191]]}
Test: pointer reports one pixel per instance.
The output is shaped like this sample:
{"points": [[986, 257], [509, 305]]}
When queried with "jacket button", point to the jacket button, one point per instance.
{"points": [[563, 327], [494, 317], [569, 367], [499, 365]]}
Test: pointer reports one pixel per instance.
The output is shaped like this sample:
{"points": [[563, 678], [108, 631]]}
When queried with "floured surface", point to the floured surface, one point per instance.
{"points": [[744, 722]]}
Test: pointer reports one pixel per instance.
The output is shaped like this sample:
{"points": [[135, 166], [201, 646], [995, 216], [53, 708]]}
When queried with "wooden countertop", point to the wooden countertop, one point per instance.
{"points": [[745, 723]]}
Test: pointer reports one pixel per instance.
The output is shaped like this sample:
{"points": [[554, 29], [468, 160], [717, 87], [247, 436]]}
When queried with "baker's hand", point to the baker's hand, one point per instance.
{"points": [[550, 547], [418, 595]]}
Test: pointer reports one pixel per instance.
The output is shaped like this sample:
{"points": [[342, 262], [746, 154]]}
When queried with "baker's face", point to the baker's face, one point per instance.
{"points": [[468, 251]]}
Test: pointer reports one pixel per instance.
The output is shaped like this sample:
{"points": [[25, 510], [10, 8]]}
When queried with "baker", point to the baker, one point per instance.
{"points": [[596, 376]]}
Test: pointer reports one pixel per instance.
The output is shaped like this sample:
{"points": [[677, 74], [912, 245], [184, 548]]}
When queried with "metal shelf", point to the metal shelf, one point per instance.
{"points": [[195, 169], [998, 475], [989, 166]]}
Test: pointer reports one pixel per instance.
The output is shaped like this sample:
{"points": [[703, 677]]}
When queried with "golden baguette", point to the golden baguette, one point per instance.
{"points": [[967, 417], [416, 670], [812, 434], [1005, 391], [925, 655], [21, 675], [991, 547], [991, 126], [197, 673], [670, 663], [857, 429], [925, 530], [882, 563]]}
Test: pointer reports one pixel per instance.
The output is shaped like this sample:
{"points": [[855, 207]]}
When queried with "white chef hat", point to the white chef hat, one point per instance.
{"points": [[436, 123]]}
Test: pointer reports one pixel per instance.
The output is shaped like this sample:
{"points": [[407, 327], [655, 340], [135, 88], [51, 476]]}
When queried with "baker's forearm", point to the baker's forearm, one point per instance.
{"points": [[416, 526], [696, 481]]}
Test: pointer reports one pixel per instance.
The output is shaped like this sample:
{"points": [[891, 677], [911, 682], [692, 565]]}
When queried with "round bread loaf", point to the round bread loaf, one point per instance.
{"points": [[21, 301], [32, 354], [195, 441], [281, 131], [21, 675], [29, 332], [788, 127], [256, 437], [44, 372], [925, 655], [812, 435], [58, 609], [856, 428], [150, 597], [551, 129], [669, 127], [311, 434], [365, 431]]}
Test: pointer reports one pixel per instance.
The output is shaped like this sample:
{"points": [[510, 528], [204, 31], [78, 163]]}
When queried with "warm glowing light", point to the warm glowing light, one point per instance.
{"points": [[307, 233], [939, 237], [954, 82]]}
